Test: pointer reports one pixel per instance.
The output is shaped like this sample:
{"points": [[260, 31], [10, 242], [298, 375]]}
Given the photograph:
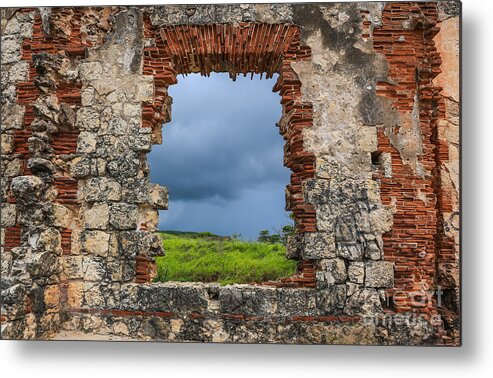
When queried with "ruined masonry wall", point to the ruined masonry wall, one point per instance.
{"points": [[370, 124]]}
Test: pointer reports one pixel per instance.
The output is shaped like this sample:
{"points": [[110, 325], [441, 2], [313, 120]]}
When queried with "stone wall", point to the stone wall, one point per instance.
{"points": [[371, 137]]}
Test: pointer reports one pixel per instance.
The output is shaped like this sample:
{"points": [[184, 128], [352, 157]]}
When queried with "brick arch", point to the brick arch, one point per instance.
{"points": [[244, 48]]}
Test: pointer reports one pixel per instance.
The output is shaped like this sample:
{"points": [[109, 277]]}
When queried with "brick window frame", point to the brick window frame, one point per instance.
{"points": [[246, 48]]}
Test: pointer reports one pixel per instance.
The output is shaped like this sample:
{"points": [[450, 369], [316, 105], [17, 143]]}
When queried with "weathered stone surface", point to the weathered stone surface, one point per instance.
{"points": [[141, 142], [296, 302], [102, 189], [96, 242], [89, 71], [132, 244], [9, 214], [42, 264], [183, 297], [7, 145], [159, 197], [28, 188], [11, 117], [62, 216], [97, 216], [331, 271], [248, 301], [123, 216], [356, 272], [86, 142], [379, 274], [373, 251], [353, 252], [319, 246], [40, 166], [363, 302], [11, 52], [331, 300], [46, 240]]}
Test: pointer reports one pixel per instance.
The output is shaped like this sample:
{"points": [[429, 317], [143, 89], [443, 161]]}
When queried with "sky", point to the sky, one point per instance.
{"points": [[222, 157]]}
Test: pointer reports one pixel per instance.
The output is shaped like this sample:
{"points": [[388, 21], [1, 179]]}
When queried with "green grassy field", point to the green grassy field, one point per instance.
{"points": [[204, 257]]}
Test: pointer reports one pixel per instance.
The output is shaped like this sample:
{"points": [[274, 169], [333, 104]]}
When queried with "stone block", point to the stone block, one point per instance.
{"points": [[89, 71], [52, 296], [47, 240], [86, 142], [80, 167], [12, 117], [159, 197], [166, 297], [73, 267], [12, 168], [145, 89], [353, 251], [356, 272], [123, 216], [28, 188], [248, 300], [140, 142], [88, 97], [363, 302], [332, 299], [102, 296], [7, 143], [333, 271], [136, 191], [11, 49], [379, 274], [294, 247], [75, 294], [372, 250], [138, 243], [295, 302], [8, 214], [97, 216], [97, 243], [88, 119], [101, 190], [318, 245], [94, 270], [124, 166], [149, 218], [132, 110], [43, 265]]}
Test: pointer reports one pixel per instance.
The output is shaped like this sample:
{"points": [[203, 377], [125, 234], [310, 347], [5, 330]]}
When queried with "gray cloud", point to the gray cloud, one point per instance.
{"points": [[220, 152]]}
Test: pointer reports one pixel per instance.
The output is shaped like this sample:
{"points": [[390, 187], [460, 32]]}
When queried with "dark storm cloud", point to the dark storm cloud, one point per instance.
{"points": [[222, 138], [222, 155]]}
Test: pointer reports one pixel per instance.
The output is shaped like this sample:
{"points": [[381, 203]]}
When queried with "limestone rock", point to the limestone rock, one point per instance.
{"points": [[46, 240], [332, 299], [95, 242], [7, 146], [333, 271], [9, 214], [28, 188], [97, 217], [379, 274], [159, 196], [86, 142], [11, 117], [102, 189], [123, 216], [356, 272], [364, 302], [320, 245]]}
